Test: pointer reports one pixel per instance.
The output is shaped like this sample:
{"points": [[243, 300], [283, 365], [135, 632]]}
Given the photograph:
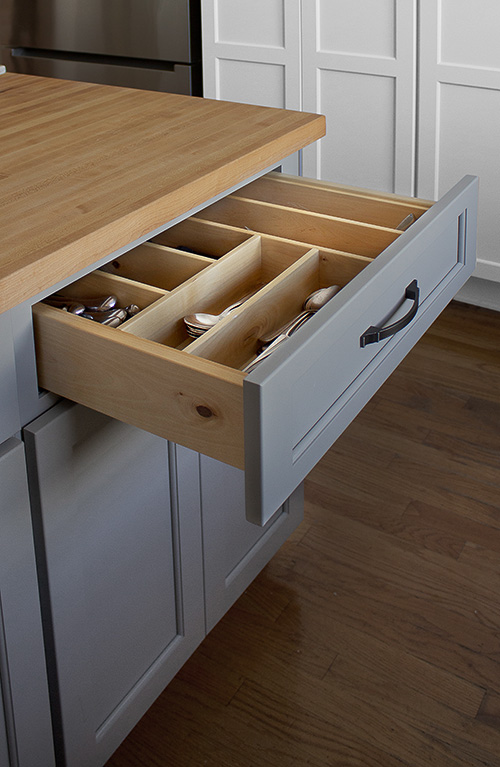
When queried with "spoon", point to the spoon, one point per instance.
{"points": [[312, 304], [199, 323]]}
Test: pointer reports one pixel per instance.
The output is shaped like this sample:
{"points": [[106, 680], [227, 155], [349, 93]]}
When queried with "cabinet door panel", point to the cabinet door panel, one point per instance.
{"points": [[357, 150], [4, 748], [23, 681], [251, 54], [459, 110], [112, 548], [359, 70], [267, 32], [235, 550]]}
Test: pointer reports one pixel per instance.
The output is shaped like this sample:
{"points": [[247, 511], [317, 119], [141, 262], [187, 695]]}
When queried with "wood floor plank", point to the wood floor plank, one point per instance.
{"points": [[322, 727], [407, 608], [417, 523], [448, 733], [489, 712]]}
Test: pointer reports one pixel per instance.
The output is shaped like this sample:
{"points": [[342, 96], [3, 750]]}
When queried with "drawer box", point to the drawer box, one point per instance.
{"points": [[281, 237]]}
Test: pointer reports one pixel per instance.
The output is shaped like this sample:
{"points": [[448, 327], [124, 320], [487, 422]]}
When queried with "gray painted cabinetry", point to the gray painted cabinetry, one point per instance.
{"points": [[235, 550], [25, 730], [123, 573], [126, 561]]}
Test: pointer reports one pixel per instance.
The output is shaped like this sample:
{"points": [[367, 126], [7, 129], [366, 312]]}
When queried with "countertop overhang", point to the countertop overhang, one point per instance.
{"points": [[86, 169]]}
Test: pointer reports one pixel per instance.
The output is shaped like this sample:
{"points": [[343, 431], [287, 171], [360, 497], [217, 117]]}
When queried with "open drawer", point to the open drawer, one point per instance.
{"points": [[279, 239]]}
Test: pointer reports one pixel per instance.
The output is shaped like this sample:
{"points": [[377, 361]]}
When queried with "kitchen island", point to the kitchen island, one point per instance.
{"points": [[151, 504], [86, 173]]}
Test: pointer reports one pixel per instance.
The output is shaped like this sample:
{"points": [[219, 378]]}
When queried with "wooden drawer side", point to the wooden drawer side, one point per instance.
{"points": [[194, 402]]}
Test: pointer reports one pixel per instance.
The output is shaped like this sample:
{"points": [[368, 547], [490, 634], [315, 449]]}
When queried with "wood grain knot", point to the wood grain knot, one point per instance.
{"points": [[204, 411]]}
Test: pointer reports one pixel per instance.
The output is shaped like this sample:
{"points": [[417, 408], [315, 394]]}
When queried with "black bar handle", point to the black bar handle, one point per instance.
{"points": [[375, 334]]}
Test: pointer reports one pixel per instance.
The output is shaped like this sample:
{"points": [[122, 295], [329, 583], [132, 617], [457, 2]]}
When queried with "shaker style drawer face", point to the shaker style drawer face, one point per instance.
{"points": [[269, 384]]}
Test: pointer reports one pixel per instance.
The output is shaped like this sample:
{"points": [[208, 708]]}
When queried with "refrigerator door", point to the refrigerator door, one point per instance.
{"points": [[167, 30], [175, 78]]}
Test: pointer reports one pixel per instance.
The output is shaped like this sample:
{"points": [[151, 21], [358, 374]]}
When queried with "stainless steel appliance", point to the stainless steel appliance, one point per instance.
{"points": [[150, 44]]}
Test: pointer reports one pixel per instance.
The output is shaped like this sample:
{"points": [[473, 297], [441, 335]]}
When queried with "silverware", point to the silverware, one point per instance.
{"points": [[297, 323], [132, 310], [68, 305], [312, 304], [102, 309], [107, 317], [92, 304], [198, 323]]}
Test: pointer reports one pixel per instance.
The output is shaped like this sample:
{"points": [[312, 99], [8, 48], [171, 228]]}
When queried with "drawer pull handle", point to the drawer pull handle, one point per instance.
{"points": [[375, 334]]}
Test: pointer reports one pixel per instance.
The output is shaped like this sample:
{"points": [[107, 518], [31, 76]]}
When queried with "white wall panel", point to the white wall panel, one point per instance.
{"points": [[359, 69], [251, 82], [357, 26], [360, 120], [260, 22], [470, 32], [459, 110]]}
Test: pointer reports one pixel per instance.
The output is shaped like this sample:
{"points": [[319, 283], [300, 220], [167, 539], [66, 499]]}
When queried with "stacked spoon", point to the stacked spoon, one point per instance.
{"points": [[102, 309]]}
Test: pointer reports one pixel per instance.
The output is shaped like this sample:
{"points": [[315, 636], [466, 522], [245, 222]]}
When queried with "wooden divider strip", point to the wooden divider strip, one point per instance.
{"points": [[101, 283], [356, 191], [302, 226], [157, 265], [331, 201]]}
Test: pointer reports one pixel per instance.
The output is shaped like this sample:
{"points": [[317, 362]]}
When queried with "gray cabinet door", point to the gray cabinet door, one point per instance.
{"points": [[9, 408], [124, 584], [25, 724], [4, 745], [234, 549]]}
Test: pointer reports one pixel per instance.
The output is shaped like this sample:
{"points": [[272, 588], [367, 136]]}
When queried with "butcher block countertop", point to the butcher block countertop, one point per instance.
{"points": [[86, 169]]}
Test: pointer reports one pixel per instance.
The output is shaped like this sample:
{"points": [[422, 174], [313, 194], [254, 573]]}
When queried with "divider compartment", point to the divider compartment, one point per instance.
{"points": [[201, 238], [339, 201], [99, 283], [301, 226], [157, 265]]}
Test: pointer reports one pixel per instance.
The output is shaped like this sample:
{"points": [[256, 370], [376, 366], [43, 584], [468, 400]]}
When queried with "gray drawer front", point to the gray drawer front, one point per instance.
{"points": [[299, 400]]}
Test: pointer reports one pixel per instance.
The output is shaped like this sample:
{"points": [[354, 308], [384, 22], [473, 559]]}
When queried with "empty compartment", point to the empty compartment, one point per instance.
{"points": [[340, 201], [157, 265], [302, 226], [201, 238]]}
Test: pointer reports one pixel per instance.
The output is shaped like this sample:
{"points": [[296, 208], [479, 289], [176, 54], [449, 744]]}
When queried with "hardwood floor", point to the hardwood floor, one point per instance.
{"points": [[372, 639]]}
